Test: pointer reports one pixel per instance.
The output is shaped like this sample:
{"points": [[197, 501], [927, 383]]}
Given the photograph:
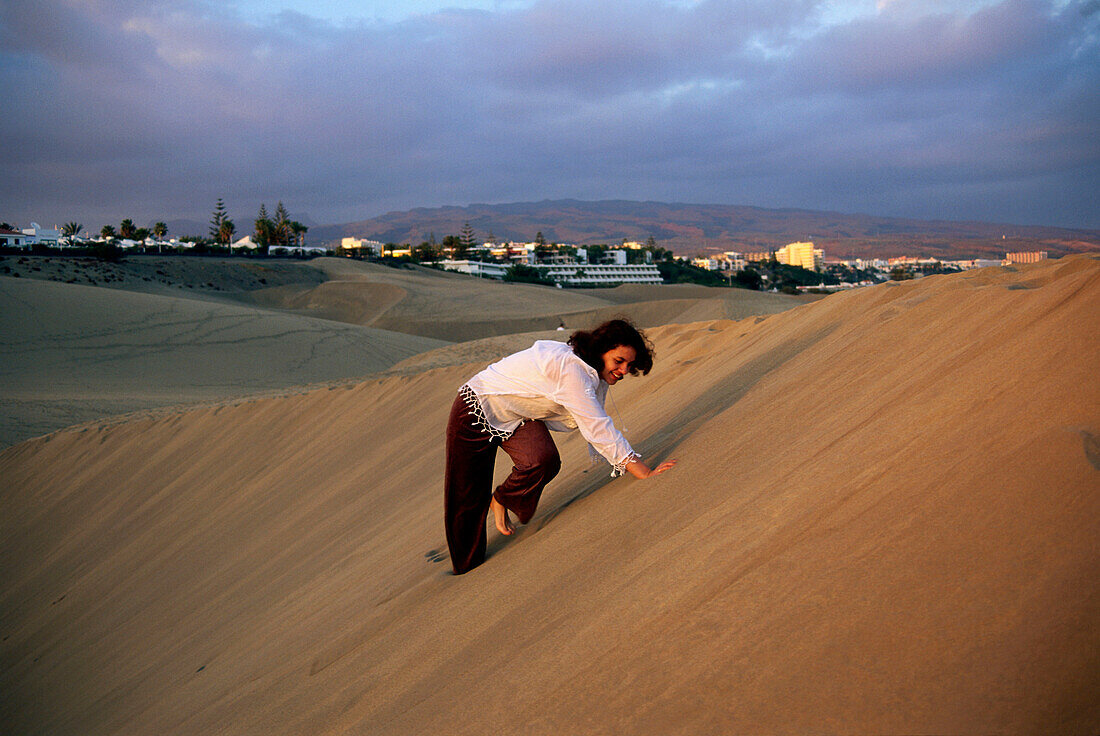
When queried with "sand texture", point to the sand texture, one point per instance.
{"points": [[456, 307], [84, 339], [74, 353], [885, 519]]}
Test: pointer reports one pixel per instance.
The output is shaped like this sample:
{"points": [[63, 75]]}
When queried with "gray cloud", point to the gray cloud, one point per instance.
{"points": [[152, 110]]}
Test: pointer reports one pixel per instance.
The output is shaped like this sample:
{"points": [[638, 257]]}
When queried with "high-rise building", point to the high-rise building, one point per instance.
{"points": [[801, 254]]}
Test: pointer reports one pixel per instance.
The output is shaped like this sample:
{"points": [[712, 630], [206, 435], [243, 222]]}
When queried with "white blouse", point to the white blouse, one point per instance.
{"points": [[548, 382]]}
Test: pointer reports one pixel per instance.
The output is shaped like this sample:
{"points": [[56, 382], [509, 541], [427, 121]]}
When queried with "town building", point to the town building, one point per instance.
{"points": [[867, 264], [731, 261], [804, 255], [38, 235], [481, 269], [1030, 257], [297, 250], [569, 274], [373, 247], [12, 239]]}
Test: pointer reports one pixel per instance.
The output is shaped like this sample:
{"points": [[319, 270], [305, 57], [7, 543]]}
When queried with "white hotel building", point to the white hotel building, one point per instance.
{"points": [[569, 274]]}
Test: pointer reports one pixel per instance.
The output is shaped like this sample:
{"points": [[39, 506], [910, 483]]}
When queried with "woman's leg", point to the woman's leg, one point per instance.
{"points": [[535, 463], [467, 483]]}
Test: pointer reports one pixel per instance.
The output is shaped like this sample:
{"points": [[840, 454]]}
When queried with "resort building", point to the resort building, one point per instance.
{"points": [[1032, 257], [616, 257], [360, 244], [298, 250], [36, 234], [11, 239], [804, 255], [481, 269], [732, 261], [570, 274], [865, 264], [514, 252]]}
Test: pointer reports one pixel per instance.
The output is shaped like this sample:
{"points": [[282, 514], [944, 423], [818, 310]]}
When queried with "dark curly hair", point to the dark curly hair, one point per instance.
{"points": [[591, 346]]}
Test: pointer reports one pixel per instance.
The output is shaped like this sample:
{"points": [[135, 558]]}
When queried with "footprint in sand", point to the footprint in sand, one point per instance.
{"points": [[1092, 448]]}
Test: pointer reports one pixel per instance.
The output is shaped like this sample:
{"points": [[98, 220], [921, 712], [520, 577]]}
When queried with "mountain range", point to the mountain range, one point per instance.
{"points": [[690, 229]]}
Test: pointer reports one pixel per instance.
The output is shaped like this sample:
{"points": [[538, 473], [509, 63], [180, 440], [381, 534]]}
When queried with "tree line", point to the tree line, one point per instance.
{"points": [[268, 230], [462, 246]]}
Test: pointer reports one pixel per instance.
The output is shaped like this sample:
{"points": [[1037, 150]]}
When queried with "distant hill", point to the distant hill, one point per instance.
{"points": [[689, 229]]}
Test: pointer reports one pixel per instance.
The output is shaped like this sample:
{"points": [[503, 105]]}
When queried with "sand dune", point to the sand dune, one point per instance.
{"points": [[74, 353], [885, 519], [192, 331], [455, 307], [191, 276]]}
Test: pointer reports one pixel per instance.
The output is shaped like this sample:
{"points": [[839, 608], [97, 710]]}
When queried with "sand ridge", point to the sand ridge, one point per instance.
{"points": [[884, 520], [457, 308], [73, 353], [160, 331]]}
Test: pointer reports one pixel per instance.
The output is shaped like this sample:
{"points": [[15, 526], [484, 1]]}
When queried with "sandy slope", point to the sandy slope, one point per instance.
{"points": [[192, 331], [175, 275], [74, 353], [885, 519], [455, 307]]}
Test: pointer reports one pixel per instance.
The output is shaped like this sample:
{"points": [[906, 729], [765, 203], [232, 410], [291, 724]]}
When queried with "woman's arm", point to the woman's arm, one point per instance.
{"points": [[641, 471]]}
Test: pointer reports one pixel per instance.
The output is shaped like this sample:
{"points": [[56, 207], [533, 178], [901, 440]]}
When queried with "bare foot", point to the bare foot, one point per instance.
{"points": [[500, 516]]}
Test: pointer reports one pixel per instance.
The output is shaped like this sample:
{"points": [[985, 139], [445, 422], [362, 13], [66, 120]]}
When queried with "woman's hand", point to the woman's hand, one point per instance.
{"points": [[640, 470]]}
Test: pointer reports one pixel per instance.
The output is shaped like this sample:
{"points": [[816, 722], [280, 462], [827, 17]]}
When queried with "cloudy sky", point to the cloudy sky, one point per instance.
{"points": [[152, 109]]}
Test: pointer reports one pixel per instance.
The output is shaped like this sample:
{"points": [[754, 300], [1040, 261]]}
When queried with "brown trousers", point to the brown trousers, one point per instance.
{"points": [[471, 457]]}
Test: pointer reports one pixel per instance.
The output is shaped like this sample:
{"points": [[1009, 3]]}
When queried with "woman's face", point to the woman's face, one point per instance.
{"points": [[617, 362]]}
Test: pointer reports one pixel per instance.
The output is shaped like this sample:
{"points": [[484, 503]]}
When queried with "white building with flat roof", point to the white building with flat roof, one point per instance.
{"points": [[570, 274], [602, 274], [481, 269], [361, 244], [36, 234], [616, 256], [731, 260]]}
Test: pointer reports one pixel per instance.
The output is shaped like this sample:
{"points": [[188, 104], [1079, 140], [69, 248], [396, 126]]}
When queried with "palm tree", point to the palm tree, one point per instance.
{"points": [[107, 232], [159, 231], [299, 231], [127, 229], [71, 229], [225, 233]]}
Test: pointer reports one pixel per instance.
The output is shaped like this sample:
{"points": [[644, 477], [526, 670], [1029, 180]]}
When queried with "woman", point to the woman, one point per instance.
{"points": [[514, 403]]}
